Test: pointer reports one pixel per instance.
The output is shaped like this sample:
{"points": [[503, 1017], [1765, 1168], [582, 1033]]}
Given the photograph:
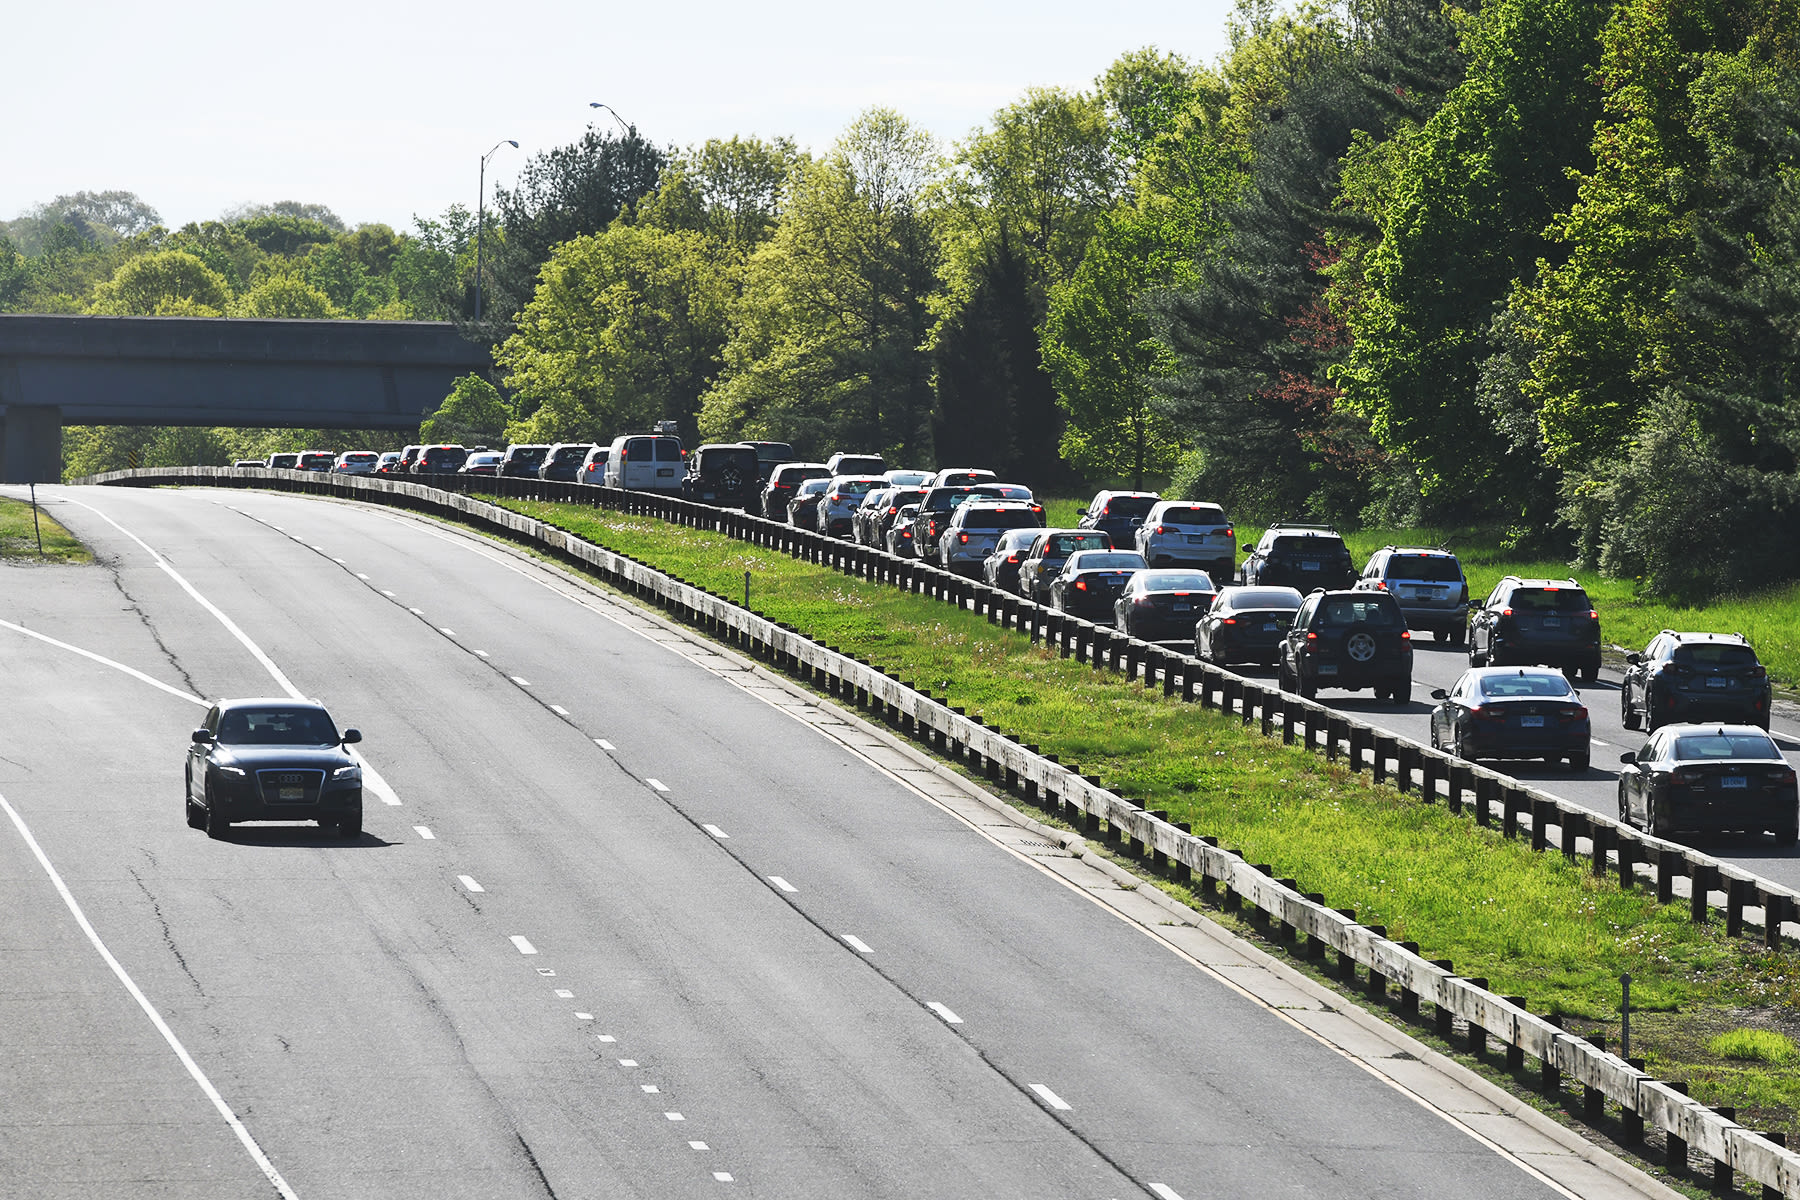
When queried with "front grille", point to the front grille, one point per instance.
{"points": [[278, 786]]}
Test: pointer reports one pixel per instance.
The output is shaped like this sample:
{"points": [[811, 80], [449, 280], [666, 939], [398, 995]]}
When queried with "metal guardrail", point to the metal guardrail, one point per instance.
{"points": [[1687, 1125]]}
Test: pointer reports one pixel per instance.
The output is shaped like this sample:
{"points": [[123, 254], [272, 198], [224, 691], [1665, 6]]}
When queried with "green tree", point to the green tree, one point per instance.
{"points": [[473, 414], [284, 296], [731, 191], [166, 283], [626, 327]]}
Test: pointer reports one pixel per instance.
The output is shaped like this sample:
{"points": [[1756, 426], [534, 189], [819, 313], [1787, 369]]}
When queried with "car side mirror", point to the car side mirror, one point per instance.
{"points": [[203, 737], [1634, 658], [1439, 694], [1629, 758], [351, 735]]}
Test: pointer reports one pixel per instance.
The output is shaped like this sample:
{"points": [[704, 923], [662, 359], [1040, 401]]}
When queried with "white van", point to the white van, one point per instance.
{"points": [[645, 462]]}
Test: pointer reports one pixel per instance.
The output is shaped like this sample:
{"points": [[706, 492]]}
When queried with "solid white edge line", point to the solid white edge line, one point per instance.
{"points": [[1051, 1098], [104, 661], [523, 945], [373, 782], [943, 1012], [470, 883], [143, 1002]]}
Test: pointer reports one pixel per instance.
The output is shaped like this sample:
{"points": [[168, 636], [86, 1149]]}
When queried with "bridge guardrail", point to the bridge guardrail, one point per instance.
{"points": [[1685, 1123]]}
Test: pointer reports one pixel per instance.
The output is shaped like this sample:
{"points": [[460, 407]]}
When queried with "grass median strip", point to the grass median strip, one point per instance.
{"points": [[1531, 923], [19, 539]]}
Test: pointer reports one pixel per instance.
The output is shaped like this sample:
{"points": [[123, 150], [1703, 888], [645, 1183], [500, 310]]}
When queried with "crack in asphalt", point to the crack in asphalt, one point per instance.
{"points": [[168, 934], [132, 605]]}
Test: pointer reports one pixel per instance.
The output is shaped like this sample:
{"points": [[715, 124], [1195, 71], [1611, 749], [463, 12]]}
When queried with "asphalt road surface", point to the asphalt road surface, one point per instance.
{"points": [[615, 928]]}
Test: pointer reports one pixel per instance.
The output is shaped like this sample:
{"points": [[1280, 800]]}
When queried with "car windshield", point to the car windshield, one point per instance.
{"points": [[1532, 683], [276, 727], [1247, 598], [998, 518], [1703, 746], [1195, 514], [1715, 654], [1069, 543], [1430, 568], [1176, 581], [1106, 560], [1128, 506], [1347, 610], [1545, 600], [1018, 538]]}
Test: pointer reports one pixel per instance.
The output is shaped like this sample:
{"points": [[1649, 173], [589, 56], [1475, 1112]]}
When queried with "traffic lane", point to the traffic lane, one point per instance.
{"points": [[737, 775], [950, 1101]]}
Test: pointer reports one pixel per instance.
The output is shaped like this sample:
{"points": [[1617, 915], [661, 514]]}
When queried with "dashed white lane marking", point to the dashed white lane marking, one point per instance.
{"points": [[388, 594], [605, 1037], [783, 884], [722, 1176], [650, 1088], [546, 972], [717, 832], [520, 682], [340, 562], [362, 577], [943, 1012], [657, 784], [425, 832], [481, 654], [581, 1016], [446, 631], [1165, 1191], [417, 612], [1051, 1098], [470, 884], [674, 1116], [857, 944], [559, 710], [564, 994], [1598, 742], [524, 945], [320, 549], [117, 666], [143, 1002], [698, 1146], [628, 1062], [604, 744]]}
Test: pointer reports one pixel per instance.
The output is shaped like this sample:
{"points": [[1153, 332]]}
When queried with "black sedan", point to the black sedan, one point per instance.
{"points": [[1091, 580], [1246, 624], [272, 760], [803, 507], [1163, 605], [1710, 777], [1001, 567], [1512, 712]]}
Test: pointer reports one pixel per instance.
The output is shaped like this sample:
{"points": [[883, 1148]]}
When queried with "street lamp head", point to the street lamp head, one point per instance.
{"points": [[512, 143]]}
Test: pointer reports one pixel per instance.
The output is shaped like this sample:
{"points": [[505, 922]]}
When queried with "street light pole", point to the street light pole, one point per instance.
{"points": [[481, 214], [630, 130]]}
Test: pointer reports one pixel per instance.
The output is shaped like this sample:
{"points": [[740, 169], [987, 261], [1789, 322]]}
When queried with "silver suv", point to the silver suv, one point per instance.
{"points": [[1184, 533], [975, 528], [1429, 585]]}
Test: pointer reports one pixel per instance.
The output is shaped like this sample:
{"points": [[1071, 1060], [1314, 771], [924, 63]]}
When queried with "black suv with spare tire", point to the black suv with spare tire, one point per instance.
{"points": [[1351, 640], [723, 473]]}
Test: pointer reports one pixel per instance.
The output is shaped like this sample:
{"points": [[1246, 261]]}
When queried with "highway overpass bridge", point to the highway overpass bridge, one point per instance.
{"points": [[83, 370]]}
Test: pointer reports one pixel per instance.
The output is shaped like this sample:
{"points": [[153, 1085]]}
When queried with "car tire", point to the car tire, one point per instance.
{"points": [[196, 816], [1462, 750], [1401, 694], [351, 825], [1590, 672], [1625, 808], [1787, 836], [215, 823], [1629, 717], [1655, 821], [1308, 688], [1579, 763], [1476, 660]]}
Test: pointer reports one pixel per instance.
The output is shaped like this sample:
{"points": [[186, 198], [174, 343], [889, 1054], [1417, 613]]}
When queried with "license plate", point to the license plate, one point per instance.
{"points": [[1196, 539], [1733, 781], [1532, 722], [665, 472], [1309, 566], [1271, 627], [291, 793], [1718, 683], [1183, 607], [1552, 622], [1328, 668]]}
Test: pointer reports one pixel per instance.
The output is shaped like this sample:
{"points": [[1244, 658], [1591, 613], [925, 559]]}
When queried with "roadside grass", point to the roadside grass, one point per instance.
{"points": [[1532, 923], [1769, 618], [1755, 1045], [19, 542]]}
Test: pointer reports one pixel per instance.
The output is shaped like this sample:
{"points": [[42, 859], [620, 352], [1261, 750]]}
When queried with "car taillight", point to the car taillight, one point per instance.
{"points": [[963, 538], [1686, 778], [1406, 635], [1381, 585], [1162, 529], [1312, 637], [1106, 511], [1487, 714], [892, 511], [1229, 621], [1573, 714], [1759, 673], [1779, 776], [1081, 585], [1012, 558], [1593, 615], [1506, 612], [1230, 532]]}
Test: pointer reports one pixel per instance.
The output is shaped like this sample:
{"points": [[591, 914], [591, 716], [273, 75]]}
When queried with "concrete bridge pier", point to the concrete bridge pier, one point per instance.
{"points": [[30, 444]]}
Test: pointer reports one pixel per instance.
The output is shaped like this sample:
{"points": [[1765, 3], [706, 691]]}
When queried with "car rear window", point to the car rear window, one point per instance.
{"points": [[1069, 543], [1535, 683], [1320, 546], [1346, 610], [1715, 654], [718, 460], [774, 452], [668, 449], [359, 458], [861, 464], [527, 454], [1183, 581], [1429, 568], [813, 486], [855, 487], [568, 454], [442, 457], [1257, 598], [997, 518], [1129, 506], [1560, 600], [1098, 561], [1195, 514], [1703, 746], [793, 475]]}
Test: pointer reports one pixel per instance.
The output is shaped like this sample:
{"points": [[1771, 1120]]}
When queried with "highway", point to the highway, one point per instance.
{"points": [[617, 927]]}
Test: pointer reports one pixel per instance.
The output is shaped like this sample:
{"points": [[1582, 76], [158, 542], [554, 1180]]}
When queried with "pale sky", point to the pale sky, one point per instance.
{"points": [[382, 111]]}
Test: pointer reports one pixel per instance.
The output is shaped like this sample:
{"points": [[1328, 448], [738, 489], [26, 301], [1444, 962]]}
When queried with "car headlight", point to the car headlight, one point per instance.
{"points": [[233, 770], [341, 772]]}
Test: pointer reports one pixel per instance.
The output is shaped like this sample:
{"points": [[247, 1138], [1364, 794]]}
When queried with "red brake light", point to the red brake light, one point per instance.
{"points": [[963, 538], [1312, 637], [1506, 612], [1406, 635], [1230, 532], [1592, 615], [1229, 621], [1081, 585], [1162, 529], [1012, 558]]}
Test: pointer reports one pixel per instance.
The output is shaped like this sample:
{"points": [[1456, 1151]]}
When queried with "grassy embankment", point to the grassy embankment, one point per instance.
{"points": [[1770, 619], [19, 543], [1531, 923]]}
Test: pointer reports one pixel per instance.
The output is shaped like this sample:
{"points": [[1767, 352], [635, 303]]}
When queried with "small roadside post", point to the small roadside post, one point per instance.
{"points": [[746, 589], [35, 527], [1625, 1015]]}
